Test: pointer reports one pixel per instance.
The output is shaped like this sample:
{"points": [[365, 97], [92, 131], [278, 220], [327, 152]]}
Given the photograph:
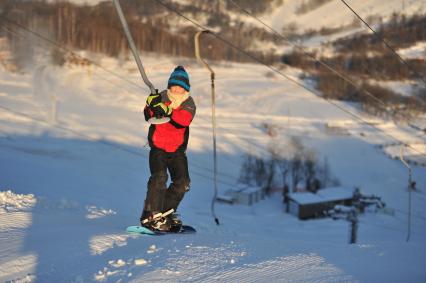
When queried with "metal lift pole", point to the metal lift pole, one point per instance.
{"points": [[212, 76], [137, 58], [409, 192]]}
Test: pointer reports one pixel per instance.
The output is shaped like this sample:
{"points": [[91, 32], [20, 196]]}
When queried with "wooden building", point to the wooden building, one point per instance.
{"points": [[243, 195], [307, 205]]}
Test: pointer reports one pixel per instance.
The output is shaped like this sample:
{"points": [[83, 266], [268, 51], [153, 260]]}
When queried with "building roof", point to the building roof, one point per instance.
{"points": [[323, 195], [244, 189]]}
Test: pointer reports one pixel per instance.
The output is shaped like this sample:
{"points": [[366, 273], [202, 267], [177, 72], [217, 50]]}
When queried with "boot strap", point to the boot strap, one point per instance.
{"points": [[157, 216]]}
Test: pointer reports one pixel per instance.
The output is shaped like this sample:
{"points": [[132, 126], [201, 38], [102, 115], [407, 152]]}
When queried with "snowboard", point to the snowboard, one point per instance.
{"points": [[185, 229]]}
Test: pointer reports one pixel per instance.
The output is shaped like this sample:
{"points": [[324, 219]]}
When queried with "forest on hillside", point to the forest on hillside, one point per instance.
{"points": [[97, 28], [364, 57], [361, 56]]}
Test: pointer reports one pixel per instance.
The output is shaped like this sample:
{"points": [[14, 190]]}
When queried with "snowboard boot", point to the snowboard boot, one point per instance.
{"points": [[175, 222], [156, 222]]}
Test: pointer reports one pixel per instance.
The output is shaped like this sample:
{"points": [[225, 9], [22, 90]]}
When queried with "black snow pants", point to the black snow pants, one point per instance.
{"points": [[159, 198]]}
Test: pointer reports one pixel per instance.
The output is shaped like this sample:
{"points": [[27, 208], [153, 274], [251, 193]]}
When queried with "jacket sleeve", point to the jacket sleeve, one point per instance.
{"points": [[183, 116]]}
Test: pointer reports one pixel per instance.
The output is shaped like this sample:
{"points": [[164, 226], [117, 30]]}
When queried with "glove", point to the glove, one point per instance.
{"points": [[161, 110], [153, 99]]}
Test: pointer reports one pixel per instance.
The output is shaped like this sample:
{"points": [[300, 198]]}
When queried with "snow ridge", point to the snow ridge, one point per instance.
{"points": [[12, 202]]}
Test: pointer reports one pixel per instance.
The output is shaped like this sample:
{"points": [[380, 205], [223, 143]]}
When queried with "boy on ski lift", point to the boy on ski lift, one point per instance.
{"points": [[168, 142]]}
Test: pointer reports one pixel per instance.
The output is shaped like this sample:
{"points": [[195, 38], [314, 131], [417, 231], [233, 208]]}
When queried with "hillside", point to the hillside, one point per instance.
{"points": [[75, 184], [345, 46], [334, 14], [96, 28], [74, 150]]}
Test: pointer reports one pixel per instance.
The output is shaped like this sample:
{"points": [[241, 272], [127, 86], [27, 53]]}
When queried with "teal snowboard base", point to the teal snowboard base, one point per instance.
{"points": [[185, 229]]}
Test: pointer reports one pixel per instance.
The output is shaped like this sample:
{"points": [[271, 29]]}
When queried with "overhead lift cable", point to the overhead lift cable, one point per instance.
{"points": [[42, 45], [64, 129], [114, 74], [288, 77], [248, 141], [59, 46], [324, 64], [421, 77], [104, 142], [235, 47]]}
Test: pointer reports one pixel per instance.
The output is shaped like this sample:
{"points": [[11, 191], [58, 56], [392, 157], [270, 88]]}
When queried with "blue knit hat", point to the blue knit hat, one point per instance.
{"points": [[179, 77]]}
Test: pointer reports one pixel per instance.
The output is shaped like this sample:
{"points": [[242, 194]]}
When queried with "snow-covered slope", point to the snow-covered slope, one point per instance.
{"points": [[335, 14], [332, 14], [414, 52], [69, 188], [83, 2]]}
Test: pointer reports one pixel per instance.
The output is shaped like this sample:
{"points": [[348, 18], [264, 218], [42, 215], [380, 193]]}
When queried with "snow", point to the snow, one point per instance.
{"points": [[245, 188], [335, 14], [82, 2], [404, 88], [410, 154], [94, 212], [140, 261], [417, 51], [336, 193], [70, 187], [327, 194], [10, 201], [305, 198], [101, 244]]}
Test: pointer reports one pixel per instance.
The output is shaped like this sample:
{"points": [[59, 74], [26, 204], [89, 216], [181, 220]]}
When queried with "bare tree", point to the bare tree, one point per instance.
{"points": [[254, 171], [309, 169]]}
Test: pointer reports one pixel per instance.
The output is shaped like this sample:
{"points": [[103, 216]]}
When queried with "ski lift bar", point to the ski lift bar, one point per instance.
{"points": [[410, 184], [123, 21], [212, 76]]}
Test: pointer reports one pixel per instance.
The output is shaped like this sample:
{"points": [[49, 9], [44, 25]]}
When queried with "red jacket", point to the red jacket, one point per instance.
{"points": [[171, 136]]}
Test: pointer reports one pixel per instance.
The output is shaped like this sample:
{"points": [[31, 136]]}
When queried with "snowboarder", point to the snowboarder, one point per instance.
{"points": [[168, 143]]}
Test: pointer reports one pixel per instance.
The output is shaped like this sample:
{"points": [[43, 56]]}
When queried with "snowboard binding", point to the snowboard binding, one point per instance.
{"points": [[157, 221]]}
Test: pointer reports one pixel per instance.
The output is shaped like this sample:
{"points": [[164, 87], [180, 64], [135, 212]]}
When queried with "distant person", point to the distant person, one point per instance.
{"points": [[168, 144]]}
